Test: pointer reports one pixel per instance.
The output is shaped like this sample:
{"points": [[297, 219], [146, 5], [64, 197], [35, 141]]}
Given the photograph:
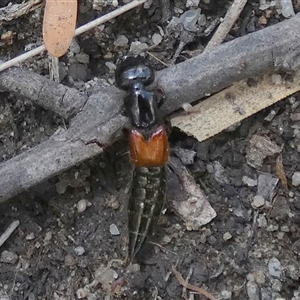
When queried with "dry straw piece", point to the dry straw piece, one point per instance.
{"points": [[232, 105]]}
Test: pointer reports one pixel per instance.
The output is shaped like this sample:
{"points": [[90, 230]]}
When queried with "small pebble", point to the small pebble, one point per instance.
{"points": [[137, 47], [276, 285], [133, 268], [185, 155], [192, 3], [112, 202], [262, 20], [262, 221], [113, 229], [266, 293], [121, 41], [287, 8], [70, 260], [259, 277], [156, 38], [226, 294], [81, 293], [271, 115], [79, 250], [272, 228], [8, 257], [81, 205], [227, 236], [91, 296], [296, 295], [285, 228], [110, 65], [83, 58], [249, 181], [253, 291], [274, 267], [292, 272], [166, 239], [280, 235], [30, 236], [296, 179], [250, 277], [75, 48], [187, 107], [258, 202], [48, 236]]}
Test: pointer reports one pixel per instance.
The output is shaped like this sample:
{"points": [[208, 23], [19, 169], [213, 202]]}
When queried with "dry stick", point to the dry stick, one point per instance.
{"points": [[261, 52], [188, 277], [61, 99], [100, 119], [7, 233], [190, 286], [244, 57], [78, 31], [229, 20]]}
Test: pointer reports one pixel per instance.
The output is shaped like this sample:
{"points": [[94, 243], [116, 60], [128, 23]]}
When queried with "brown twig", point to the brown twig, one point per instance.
{"points": [[61, 99], [190, 286]]}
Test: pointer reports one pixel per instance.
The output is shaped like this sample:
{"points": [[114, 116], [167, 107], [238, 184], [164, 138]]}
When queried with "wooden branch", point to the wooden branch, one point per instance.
{"points": [[100, 119], [257, 53], [63, 100]]}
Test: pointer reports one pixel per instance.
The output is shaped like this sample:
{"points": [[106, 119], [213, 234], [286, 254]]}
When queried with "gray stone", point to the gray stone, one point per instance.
{"points": [[121, 41], [274, 267], [156, 38], [8, 257], [253, 290], [266, 186], [258, 201], [296, 179], [83, 58], [113, 229], [79, 250], [75, 48], [226, 294], [249, 181], [227, 236]]}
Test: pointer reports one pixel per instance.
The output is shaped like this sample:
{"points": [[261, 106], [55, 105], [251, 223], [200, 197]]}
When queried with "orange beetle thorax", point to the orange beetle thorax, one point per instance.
{"points": [[149, 153]]}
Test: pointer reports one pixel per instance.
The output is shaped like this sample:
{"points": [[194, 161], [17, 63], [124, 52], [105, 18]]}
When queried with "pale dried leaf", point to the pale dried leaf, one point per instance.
{"points": [[233, 105]]}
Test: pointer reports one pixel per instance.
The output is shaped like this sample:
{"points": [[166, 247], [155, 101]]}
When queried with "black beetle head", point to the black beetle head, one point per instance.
{"points": [[133, 69]]}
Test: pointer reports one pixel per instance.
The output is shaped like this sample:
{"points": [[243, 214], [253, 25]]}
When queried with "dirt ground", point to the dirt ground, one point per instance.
{"points": [[72, 239]]}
